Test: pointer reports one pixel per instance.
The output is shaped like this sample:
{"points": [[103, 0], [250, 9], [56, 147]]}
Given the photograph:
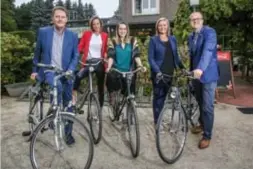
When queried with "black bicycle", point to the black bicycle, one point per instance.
{"points": [[116, 110], [94, 114], [36, 95], [172, 125], [59, 130]]}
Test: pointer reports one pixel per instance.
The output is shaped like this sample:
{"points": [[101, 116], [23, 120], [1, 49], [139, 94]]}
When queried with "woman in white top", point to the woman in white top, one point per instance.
{"points": [[93, 45]]}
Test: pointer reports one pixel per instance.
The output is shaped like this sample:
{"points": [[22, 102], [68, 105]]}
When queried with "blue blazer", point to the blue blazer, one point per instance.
{"points": [[43, 50], [156, 53], [203, 55]]}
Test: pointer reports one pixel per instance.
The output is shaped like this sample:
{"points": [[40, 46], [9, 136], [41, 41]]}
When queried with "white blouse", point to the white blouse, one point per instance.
{"points": [[95, 46]]}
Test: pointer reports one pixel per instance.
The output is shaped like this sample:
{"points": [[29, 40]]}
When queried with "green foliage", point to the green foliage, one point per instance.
{"points": [[28, 35], [38, 14], [23, 16], [59, 3], [16, 59], [8, 22], [67, 4]]}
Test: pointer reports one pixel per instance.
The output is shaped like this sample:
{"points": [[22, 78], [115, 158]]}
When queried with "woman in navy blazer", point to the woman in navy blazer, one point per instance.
{"points": [[163, 59]]}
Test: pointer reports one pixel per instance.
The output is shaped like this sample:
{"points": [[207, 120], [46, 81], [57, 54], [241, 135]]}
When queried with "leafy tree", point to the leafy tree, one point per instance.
{"points": [[59, 3], [67, 4], [23, 16], [38, 14], [80, 10], [91, 11], [49, 5], [8, 22]]}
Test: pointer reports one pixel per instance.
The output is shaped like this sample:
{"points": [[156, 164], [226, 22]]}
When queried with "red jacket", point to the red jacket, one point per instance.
{"points": [[85, 44]]}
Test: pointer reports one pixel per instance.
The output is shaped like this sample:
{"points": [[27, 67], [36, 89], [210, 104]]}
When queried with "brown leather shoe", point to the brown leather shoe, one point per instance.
{"points": [[197, 129], [204, 143]]}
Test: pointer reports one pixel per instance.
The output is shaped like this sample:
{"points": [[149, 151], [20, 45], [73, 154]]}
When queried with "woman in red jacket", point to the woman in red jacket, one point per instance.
{"points": [[93, 45]]}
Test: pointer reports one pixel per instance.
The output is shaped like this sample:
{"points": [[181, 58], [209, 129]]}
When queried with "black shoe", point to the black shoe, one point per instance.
{"points": [[69, 140], [26, 133]]}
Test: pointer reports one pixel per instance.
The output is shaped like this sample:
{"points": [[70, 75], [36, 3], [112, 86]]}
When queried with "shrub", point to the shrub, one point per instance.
{"points": [[29, 35], [16, 59]]}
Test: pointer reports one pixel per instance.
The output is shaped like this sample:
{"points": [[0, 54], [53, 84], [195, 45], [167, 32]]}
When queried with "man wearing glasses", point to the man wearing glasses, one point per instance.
{"points": [[203, 57]]}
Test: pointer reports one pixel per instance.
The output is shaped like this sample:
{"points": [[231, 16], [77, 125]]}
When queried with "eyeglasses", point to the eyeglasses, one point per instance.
{"points": [[195, 19]]}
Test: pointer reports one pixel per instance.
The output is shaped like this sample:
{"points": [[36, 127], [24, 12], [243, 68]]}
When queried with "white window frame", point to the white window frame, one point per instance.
{"points": [[149, 11]]}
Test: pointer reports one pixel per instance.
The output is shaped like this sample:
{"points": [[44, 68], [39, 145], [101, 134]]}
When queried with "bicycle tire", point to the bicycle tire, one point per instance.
{"points": [[132, 115], [49, 119], [36, 105], [96, 139], [113, 109], [158, 132]]}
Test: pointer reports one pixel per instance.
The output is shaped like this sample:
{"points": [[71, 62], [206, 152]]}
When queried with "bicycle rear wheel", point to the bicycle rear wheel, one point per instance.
{"points": [[171, 132], [133, 129], [50, 140], [95, 118]]}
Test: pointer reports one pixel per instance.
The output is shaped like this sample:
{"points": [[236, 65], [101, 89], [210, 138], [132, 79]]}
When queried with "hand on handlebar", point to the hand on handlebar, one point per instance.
{"points": [[33, 76], [69, 74]]}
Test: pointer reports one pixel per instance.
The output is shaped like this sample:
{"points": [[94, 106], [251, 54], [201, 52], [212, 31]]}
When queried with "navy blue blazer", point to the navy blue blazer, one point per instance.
{"points": [[43, 49], [203, 55], [156, 53]]}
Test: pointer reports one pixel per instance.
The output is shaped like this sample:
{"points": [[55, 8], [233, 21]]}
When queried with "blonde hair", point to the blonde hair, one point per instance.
{"points": [[157, 23], [127, 37]]}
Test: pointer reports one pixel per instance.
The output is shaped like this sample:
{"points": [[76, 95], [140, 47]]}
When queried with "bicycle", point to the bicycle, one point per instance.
{"points": [[116, 110], [93, 118], [58, 120], [36, 100], [176, 121]]}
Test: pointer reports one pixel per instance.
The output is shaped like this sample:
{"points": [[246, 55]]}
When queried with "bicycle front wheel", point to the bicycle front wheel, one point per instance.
{"points": [[133, 129], [95, 118], [35, 110], [63, 143], [171, 132]]}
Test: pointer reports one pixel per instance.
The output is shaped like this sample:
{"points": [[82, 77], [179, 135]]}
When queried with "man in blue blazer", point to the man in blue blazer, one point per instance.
{"points": [[203, 56], [56, 45]]}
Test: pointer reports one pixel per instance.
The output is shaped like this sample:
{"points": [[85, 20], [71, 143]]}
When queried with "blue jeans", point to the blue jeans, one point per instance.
{"points": [[205, 94], [64, 87]]}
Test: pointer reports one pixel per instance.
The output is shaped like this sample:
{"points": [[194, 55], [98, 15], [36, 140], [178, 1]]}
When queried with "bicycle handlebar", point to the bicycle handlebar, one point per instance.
{"points": [[127, 73], [93, 64]]}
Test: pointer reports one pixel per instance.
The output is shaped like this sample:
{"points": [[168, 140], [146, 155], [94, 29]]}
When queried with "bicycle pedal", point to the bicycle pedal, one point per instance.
{"points": [[26, 133], [80, 112]]}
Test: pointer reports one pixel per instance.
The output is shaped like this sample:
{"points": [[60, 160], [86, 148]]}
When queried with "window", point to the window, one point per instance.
{"points": [[142, 7]]}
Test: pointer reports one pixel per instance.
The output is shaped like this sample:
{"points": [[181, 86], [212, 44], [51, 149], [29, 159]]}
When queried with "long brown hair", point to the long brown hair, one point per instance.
{"points": [[158, 21], [127, 37], [92, 20]]}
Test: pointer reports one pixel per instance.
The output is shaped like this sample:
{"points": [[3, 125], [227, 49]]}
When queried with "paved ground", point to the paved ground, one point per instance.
{"points": [[231, 147]]}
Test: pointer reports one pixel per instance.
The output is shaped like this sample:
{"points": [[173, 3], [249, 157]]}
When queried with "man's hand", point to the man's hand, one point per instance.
{"points": [[33, 76], [197, 73]]}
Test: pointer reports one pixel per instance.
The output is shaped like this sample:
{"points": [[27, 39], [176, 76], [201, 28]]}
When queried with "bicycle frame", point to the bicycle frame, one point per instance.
{"points": [[128, 76]]}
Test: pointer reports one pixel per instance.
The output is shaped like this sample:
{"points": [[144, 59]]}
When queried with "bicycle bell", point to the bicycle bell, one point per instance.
{"points": [[173, 93]]}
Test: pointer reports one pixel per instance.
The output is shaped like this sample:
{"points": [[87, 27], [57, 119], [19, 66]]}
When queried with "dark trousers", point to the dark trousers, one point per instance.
{"points": [[205, 94], [100, 74], [64, 87], [115, 82], [160, 91]]}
